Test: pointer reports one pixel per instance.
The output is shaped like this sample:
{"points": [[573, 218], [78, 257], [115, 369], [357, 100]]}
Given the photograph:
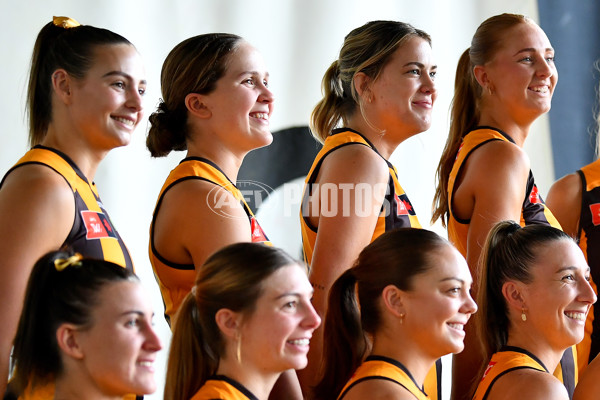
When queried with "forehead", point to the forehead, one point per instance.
{"points": [[245, 58], [117, 298], [289, 279], [557, 254], [117, 57], [522, 36], [445, 263], [414, 49]]}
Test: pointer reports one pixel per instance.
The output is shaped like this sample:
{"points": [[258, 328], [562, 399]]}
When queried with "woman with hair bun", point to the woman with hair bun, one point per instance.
{"points": [[86, 329], [402, 306], [378, 93], [84, 99], [534, 294], [248, 319], [216, 105]]}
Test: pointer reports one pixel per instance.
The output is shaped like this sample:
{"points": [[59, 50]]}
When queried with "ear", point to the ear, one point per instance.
{"points": [[229, 322], [392, 298], [514, 294], [483, 78], [62, 85], [67, 336], [362, 85], [196, 105]]}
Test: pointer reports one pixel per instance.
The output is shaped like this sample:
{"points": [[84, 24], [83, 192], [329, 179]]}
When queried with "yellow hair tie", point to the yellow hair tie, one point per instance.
{"points": [[65, 22], [62, 263]]}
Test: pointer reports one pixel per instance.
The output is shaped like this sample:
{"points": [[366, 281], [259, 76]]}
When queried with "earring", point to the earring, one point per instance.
{"points": [[523, 316], [238, 354], [490, 90], [401, 318]]}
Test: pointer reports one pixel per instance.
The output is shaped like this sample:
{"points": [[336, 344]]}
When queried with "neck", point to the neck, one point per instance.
{"points": [[257, 381], [86, 159], [520, 336], [499, 117], [224, 158], [76, 388], [384, 141], [415, 359]]}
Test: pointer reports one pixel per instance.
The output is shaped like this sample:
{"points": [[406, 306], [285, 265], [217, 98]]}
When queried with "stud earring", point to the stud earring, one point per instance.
{"points": [[523, 316]]}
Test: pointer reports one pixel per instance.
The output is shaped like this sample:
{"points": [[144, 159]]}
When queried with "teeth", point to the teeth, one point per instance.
{"points": [[543, 89], [145, 363], [576, 315], [460, 327], [124, 120], [264, 116], [300, 342]]}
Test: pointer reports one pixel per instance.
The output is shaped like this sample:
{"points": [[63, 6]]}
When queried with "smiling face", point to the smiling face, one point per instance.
{"points": [[275, 337], [439, 303], [404, 93], [120, 347], [106, 103], [559, 298], [522, 75], [241, 104]]}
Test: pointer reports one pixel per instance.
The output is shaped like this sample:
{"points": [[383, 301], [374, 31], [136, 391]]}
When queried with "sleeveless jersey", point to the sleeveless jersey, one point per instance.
{"points": [[220, 387], [384, 368], [396, 211], [533, 211], [589, 241], [92, 234], [506, 360], [176, 280]]}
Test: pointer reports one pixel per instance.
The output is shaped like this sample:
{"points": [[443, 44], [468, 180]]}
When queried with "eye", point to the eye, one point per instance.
{"points": [[550, 59], [249, 81], [568, 278], [132, 323], [266, 83], [588, 278], [454, 291], [414, 72], [142, 91], [526, 59], [119, 84], [290, 305], [432, 74]]}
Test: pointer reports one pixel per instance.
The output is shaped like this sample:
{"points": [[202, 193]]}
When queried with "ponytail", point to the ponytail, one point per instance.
{"points": [[345, 343], [332, 107], [192, 358]]}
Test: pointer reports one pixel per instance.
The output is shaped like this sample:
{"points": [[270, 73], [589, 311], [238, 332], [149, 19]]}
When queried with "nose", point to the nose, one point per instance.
{"points": [[152, 342], [134, 99], [469, 306], [266, 96], [586, 293], [544, 69], [311, 319], [428, 85]]}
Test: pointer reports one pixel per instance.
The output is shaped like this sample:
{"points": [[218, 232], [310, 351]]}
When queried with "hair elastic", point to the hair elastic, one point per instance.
{"points": [[62, 263], [65, 22]]}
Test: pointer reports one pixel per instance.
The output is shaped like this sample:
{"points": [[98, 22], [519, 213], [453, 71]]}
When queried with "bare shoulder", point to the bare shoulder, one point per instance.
{"points": [[499, 156], [528, 384], [354, 164], [588, 386], [566, 190], [378, 389]]}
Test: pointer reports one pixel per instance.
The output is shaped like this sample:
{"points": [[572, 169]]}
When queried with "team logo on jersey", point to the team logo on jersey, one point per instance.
{"points": [[97, 225], [489, 367], [534, 196], [595, 210], [403, 205], [258, 235]]}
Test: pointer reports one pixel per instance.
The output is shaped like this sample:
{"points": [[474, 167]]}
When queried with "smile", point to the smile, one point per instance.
{"points": [[579, 316], [125, 121], [259, 115], [299, 342], [540, 89], [459, 327]]}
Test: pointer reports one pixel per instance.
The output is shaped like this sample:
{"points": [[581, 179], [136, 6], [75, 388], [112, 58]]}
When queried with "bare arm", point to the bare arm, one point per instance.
{"points": [[588, 386], [528, 384], [36, 214], [564, 200], [343, 230]]}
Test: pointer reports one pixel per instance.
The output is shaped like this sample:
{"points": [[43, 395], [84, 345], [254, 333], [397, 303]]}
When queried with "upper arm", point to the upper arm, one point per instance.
{"points": [[588, 386], [191, 224], [496, 179], [349, 176], [37, 211], [564, 200]]}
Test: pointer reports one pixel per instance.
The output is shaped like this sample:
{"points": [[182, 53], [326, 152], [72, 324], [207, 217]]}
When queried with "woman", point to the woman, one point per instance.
{"points": [[84, 99], [86, 326], [409, 294], [381, 90], [574, 200], [248, 319], [534, 295], [588, 386], [504, 82], [217, 107]]}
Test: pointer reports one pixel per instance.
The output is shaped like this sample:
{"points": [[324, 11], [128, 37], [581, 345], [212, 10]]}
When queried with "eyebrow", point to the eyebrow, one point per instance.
{"points": [[140, 313], [123, 74], [531, 49], [252, 73], [418, 64], [570, 268], [294, 294], [453, 278]]}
